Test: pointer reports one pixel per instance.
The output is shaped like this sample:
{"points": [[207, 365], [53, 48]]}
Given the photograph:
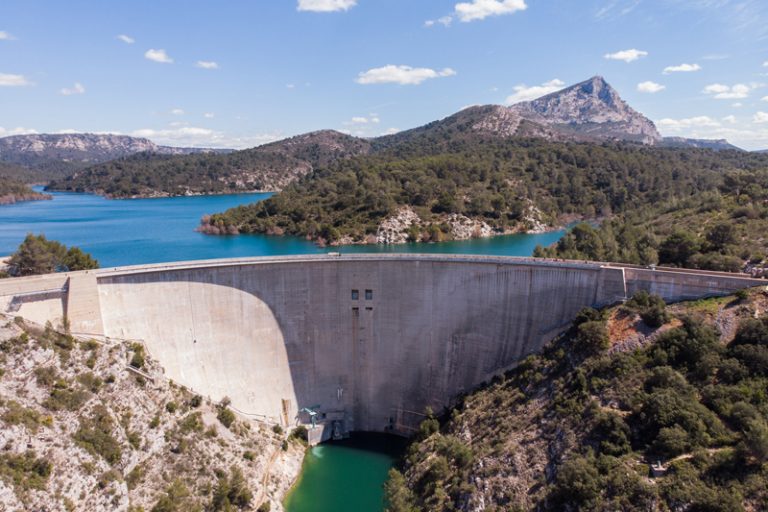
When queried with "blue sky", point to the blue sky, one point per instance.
{"points": [[238, 73]]}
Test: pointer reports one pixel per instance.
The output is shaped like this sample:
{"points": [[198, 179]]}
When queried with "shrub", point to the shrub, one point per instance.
{"points": [[17, 414], [577, 484], [90, 381], [171, 407], [672, 441], [192, 422], [25, 471], [756, 440], [66, 398], [300, 433], [652, 308], [175, 498], [612, 434], [46, 376], [226, 416], [95, 435], [138, 359], [231, 492], [592, 338], [752, 331]]}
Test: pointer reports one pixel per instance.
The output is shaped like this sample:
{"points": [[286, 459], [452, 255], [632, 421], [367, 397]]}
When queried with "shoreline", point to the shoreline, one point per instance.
{"points": [[15, 198], [162, 195]]}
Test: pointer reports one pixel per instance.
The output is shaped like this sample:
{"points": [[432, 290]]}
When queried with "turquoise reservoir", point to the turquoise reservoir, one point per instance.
{"points": [[137, 231]]}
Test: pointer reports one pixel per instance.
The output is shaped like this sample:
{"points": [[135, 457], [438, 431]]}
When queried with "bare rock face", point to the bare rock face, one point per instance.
{"points": [[394, 229], [592, 109], [588, 111], [464, 228]]}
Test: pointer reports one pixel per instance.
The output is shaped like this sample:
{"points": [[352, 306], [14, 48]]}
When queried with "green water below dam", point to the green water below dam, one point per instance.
{"points": [[345, 476]]}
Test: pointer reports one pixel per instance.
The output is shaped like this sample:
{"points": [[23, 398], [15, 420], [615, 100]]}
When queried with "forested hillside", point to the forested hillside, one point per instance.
{"points": [[265, 168], [579, 426], [720, 229], [498, 182]]}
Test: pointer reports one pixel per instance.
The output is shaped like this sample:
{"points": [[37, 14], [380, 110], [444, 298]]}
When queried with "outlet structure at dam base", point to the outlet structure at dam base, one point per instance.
{"points": [[355, 342]]}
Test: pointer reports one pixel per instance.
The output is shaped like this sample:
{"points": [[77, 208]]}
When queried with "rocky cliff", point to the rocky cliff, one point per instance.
{"points": [[93, 426]]}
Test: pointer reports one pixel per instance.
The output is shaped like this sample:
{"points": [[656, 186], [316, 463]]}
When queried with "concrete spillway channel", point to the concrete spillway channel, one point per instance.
{"points": [[368, 342]]}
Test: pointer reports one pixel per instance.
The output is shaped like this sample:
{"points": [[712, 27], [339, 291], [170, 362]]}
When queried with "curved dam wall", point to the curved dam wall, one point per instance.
{"points": [[367, 342]]}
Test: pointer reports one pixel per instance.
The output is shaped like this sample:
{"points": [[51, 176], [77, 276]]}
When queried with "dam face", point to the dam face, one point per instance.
{"points": [[366, 342]]}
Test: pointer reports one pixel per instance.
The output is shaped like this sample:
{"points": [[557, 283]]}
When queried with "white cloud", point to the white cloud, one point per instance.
{"points": [[177, 112], [207, 64], [650, 87], [209, 115], [682, 68], [158, 56], [391, 131], [737, 105], [326, 5], [444, 21], [525, 93], [730, 119], [765, 98], [691, 122], [16, 131], [126, 39], [760, 118], [403, 75], [290, 86], [726, 92], [5, 36], [765, 64], [75, 89], [358, 120], [193, 136], [626, 55], [481, 9], [7, 80]]}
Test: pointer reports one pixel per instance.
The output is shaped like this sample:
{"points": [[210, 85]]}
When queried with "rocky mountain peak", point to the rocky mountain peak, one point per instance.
{"points": [[591, 109]]}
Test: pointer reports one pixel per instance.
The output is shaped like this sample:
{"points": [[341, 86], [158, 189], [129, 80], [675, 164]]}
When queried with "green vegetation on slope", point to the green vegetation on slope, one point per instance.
{"points": [[264, 168], [13, 191], [83, 432], [720, 229], [496, 181], [38, 255], [577, 427]]}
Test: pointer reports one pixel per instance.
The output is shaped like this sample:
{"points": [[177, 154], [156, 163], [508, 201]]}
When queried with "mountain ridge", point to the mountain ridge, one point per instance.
{"points": [[55, 155], [590, 111]]}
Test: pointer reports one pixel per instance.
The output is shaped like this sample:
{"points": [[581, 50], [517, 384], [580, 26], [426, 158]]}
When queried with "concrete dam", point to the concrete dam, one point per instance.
{"points": [[367, 342]]}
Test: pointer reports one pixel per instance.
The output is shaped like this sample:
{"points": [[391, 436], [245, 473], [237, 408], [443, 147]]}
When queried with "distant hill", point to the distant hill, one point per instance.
{"points": [[716, 144], [590, 111], [57, 155], [265, 168]]}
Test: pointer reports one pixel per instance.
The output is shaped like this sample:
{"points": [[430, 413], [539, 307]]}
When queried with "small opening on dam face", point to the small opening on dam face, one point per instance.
{"points": [[346, 475]]}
